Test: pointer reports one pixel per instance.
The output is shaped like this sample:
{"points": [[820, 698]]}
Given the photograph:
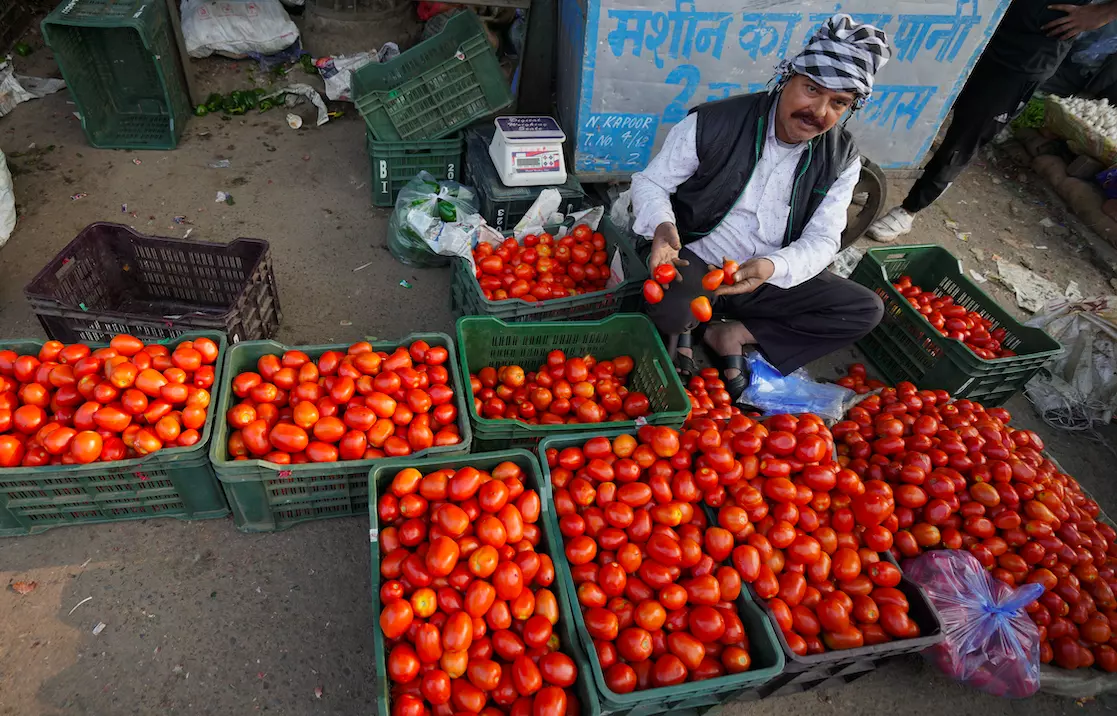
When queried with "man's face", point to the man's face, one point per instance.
{"points": [[807, 109]]}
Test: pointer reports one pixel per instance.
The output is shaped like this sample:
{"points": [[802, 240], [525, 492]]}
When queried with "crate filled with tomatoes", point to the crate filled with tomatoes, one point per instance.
{"points": [[547, 277], [107, 432], [661, 612], [808, 538], [964, 478], [300, 426], [471, 615], [941, 331], [534, 380]]}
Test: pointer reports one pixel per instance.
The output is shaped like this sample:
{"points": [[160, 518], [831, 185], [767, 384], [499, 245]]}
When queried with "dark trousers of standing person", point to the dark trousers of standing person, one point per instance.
{"points": [[792, 326], [991, 97], [1094, 83]]}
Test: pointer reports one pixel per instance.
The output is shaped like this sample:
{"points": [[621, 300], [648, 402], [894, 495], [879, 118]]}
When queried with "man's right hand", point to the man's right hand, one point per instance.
{"points": [[666, 246]]}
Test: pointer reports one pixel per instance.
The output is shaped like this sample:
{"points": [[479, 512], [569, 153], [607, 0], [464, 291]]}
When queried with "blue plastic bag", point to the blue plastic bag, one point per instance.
{"points": [[772, 392], [990, 643], [1107, 178]]}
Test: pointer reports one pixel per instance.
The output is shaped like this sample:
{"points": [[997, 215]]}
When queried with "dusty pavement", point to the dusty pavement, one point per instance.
{"points": [[201, 619]]}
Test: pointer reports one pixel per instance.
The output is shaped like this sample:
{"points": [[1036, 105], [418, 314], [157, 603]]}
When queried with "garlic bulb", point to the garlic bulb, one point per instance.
{"points": [[1099, 115]]}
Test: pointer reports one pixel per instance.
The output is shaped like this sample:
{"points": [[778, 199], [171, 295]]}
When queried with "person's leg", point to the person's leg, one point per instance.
{"points": [[1103, 83], [987, 102], [1068, 80], [730, 339], [795, 326]]}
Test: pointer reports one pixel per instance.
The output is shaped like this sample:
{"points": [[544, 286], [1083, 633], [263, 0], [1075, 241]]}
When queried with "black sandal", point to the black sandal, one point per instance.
{"points": [[737, 384], [684, 364]]}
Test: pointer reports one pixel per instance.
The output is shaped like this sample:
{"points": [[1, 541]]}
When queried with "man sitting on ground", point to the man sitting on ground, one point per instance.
{"points": [[765, 180]]}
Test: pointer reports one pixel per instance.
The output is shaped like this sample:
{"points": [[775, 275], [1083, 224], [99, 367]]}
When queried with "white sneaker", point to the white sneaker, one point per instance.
{"points": [[896, 222]]}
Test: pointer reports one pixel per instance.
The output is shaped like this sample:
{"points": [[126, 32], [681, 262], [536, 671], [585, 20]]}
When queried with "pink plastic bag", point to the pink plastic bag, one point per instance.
{"points": [[990, 642]]}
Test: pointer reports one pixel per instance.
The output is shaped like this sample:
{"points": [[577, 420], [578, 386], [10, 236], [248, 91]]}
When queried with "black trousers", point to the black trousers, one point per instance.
{"points": [[1074, 79], [792, 326], [991, 97]]}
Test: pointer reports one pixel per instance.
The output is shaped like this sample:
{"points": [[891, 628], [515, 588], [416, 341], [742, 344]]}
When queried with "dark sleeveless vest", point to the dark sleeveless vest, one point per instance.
{"points": [[729, 142]]}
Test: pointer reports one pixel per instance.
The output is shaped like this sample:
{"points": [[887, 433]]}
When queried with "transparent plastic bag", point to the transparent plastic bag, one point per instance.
{"points": [[433, 220], [989, 641], [772, 392], [7, 202]]}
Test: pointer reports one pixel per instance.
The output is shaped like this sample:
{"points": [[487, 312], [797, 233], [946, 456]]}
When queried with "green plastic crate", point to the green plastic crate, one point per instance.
{"points": [[174, 482], [767, 658], [436, 87], [488, 342], [905, 346], [468, 300], [394, 164], [120, 62], [265, 496], [549, 543]]}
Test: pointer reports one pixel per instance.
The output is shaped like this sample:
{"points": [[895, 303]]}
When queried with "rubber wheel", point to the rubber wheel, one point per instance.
{"points": [[859, 217]]}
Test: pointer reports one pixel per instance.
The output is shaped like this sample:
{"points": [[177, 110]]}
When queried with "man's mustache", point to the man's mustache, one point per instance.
{"points": [[808, 118]]}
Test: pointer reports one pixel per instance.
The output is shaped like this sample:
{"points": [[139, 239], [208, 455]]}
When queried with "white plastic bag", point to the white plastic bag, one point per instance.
{"points": [[621, 211], [1078, 388], [7, 201], [15, 89], [236, 28], [337, 70]]}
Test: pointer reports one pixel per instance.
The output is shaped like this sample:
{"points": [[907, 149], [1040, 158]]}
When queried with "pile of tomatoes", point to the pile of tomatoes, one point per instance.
{"points": [[72, 404], [708, 396], [857, 380], [656, 595], [563, 390], [543, 267], [468, 607], [954, 321], [809, 534], [361, 404], [963, 478]]}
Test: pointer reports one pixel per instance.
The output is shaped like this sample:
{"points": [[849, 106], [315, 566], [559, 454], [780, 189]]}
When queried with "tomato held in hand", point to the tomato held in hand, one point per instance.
{"points": [[664, 274], [713, 280]]}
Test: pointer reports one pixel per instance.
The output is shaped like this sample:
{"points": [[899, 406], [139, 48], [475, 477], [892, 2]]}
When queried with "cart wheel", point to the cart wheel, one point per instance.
{"points": [[868, 202]]}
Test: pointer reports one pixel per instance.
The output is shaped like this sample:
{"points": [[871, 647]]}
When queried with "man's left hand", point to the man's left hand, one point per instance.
{"points": [[752, 274], [1078, 19]]}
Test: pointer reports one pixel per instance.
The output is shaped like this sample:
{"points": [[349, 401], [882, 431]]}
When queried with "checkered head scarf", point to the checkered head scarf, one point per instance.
{"points": [[842, 56]]}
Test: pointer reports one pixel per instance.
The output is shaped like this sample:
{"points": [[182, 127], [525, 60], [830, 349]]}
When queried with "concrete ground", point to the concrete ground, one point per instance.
{"points": [[201, 619]]}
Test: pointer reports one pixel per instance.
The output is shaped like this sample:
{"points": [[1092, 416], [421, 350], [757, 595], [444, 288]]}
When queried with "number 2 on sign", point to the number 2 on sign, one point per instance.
{"points": [[688, 76]]}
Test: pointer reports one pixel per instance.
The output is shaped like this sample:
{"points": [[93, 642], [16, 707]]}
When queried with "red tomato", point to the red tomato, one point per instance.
{"points": [[701, 309]]}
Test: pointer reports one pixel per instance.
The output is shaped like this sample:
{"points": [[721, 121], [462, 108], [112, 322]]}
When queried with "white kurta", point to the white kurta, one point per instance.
{"points": [[755, 225]]}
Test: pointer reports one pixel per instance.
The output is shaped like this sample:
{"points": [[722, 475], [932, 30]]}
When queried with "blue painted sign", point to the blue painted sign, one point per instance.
{"points": [[631, 69]]}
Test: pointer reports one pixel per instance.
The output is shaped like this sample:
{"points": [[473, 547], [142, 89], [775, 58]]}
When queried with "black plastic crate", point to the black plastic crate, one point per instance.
{"points": [[503, 206], [112, 279], [14, 20], [835, 668]]}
